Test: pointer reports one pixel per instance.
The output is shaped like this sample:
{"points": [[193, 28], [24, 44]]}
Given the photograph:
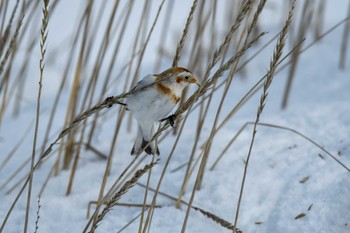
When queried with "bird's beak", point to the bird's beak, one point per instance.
{"points": [[194, 80]]}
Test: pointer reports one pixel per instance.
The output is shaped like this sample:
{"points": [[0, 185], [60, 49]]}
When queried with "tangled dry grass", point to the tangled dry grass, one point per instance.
{"points": [[226, 57]]}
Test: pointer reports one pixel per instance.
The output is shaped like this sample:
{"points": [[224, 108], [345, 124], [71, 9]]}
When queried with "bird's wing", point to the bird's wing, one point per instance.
{"points": [[147, 80]]}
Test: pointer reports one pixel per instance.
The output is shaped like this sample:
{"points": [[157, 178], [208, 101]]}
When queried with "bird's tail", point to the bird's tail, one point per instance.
{"points": [[142, 144], [150, 149]]}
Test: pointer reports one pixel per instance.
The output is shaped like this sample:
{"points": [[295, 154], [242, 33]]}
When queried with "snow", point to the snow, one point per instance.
{"points": [[319, 107]]}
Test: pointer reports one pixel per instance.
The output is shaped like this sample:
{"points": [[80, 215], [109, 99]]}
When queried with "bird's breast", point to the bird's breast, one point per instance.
{"points": [[151, 104], [164, 90]]}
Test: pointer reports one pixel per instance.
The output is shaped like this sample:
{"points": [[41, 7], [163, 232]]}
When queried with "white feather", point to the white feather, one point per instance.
{"points": [[148, 106]]}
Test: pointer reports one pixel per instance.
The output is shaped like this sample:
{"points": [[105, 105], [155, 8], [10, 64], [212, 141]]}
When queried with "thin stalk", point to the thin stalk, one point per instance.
{"points": [[63, 82], [303, 26], [276, 57], [15, 148], [73, 101], [42, 66], [211, 216], [345, 41], [112, 65], [277, 127], [144, 206], [109, 161], [247, 11], [126, 187], [151, 211], [184, 34], [11, 45], [110, 101], [164, 33], [122, 113], [91, 87]]}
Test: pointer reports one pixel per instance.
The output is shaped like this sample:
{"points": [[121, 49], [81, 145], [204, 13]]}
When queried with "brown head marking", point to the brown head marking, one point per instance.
{"points": [[171, 71], [179, 80]]}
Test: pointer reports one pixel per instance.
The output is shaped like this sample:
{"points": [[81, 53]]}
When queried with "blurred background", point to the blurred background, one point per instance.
{"points": [[97, 49]]}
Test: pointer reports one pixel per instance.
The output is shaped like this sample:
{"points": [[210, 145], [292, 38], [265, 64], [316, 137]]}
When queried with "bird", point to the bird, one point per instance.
{"points": [[151, 100]]}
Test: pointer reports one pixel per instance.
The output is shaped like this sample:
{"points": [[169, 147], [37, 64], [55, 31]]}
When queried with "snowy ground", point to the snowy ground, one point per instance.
{"points": [[274, 195]]}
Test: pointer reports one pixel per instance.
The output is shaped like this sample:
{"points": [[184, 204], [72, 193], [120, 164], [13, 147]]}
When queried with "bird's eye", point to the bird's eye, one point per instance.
{"points": [[187, 77]]}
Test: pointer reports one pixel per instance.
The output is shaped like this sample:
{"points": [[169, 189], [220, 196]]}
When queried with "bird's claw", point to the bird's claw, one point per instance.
{"points": [[171, 120], [109, 99]]}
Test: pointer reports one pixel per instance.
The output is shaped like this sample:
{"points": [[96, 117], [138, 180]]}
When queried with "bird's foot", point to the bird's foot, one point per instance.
{"points": [[109, 100], [171, 119]]}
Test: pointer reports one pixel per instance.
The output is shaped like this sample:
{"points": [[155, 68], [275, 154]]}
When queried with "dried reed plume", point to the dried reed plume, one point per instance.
{"points": [[220, 221], [11, 45], [208, 214], [4, 37], [273, 64], [77, 131], [184, 34], [122, 111], [195, 97], [37, 216], [244, 9], [124, 189], [110, 101], [218, 53], [42, 66]]}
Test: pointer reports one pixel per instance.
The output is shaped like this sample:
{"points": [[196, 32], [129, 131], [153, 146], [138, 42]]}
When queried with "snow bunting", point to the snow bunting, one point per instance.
{"points": [[149, 104]]}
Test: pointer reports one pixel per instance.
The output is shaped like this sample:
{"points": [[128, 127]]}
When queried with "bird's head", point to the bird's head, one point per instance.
{"points": [[179, 76]]}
